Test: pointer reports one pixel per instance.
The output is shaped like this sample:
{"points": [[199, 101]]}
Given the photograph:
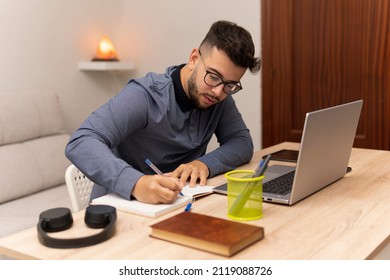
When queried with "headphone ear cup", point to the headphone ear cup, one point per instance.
{"points": [[99, 216], [56, 219]]}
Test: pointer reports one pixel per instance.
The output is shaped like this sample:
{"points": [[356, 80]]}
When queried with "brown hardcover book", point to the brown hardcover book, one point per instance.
{"points": [[207, 233]]}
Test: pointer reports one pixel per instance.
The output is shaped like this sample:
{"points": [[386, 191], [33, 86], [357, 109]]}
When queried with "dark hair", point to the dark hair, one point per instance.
{"points": [[235, 41]]}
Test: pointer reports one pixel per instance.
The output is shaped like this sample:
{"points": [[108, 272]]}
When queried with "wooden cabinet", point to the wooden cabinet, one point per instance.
{"points": [[321, 53]]}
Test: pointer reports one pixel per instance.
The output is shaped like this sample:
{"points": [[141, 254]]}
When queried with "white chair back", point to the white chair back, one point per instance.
{"points": [[79, 188]]}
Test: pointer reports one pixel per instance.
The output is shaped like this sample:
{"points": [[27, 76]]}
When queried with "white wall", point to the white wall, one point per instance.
{"points": [[43, 40]]}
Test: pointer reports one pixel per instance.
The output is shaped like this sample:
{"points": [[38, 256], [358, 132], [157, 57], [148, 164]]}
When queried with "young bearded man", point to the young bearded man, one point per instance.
{"points": [[170, 118]]}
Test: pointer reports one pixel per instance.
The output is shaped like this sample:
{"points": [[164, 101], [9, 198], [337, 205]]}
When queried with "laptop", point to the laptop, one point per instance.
{"points": [[323, 157]]}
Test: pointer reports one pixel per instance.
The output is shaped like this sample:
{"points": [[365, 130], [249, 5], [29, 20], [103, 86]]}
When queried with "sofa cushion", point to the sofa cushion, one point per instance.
{"points": [[32, 166], [29, 115], [32, 143], [22, 213]]}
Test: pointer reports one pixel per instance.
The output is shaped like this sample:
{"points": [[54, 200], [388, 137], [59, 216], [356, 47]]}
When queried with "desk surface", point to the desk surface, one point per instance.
{"points": [[349, 219]]}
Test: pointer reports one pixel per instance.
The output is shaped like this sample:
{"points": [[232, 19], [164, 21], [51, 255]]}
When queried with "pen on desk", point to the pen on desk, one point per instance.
{"points": [[189, 205], [155, 169]]}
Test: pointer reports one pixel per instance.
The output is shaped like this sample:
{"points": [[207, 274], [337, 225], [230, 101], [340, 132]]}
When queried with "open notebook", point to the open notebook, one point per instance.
{"points": [[152, 210]]}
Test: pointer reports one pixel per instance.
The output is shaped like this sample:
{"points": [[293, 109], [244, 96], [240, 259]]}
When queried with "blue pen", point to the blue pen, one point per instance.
{"points": [[262, 167], [151, 165], [189, 205], [158, 171], [258, 168]]}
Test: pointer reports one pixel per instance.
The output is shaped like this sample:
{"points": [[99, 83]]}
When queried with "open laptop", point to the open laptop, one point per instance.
{"points": [[324, 153]]}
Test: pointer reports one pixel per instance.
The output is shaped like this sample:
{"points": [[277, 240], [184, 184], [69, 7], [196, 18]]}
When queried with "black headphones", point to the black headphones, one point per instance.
{"points": [[58, 219]]}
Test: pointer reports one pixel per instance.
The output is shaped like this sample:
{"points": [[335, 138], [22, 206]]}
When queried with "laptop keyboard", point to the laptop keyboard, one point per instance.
{"points": [[280, 185]]}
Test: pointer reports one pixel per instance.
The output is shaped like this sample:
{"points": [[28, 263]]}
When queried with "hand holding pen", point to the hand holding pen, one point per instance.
{"points": [[155, 169], [156, 189], [151, 165]]}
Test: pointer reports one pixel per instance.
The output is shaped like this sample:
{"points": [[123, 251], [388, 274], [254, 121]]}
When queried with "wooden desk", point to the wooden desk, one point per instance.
{"points": [[349, 219]]}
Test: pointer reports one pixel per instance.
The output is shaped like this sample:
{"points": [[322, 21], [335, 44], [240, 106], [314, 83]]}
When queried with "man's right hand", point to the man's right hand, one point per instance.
{"points": [[156, 189]]}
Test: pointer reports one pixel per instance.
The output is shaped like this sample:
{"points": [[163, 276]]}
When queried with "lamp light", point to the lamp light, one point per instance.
{"points": [[105, 51]]}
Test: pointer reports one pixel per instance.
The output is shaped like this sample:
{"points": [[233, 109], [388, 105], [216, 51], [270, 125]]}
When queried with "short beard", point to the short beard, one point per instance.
{"points": [[193, 93]]}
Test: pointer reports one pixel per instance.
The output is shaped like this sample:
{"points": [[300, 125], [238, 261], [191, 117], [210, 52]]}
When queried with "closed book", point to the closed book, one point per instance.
{"points": [[216, 235]]}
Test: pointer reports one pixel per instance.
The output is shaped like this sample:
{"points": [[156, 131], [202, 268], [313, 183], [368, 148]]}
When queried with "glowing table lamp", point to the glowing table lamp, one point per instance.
{"points": [[105, 51]]}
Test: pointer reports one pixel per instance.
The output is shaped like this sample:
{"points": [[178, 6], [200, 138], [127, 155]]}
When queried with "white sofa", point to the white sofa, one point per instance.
{"points": [[32, 161]]}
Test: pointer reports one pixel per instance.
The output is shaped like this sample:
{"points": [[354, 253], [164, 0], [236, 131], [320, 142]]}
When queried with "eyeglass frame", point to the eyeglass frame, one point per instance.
{"points": [[222, 82]]}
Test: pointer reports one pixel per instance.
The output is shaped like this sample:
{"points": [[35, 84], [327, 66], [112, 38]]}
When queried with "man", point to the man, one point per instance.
{"points": [[170, 118]]}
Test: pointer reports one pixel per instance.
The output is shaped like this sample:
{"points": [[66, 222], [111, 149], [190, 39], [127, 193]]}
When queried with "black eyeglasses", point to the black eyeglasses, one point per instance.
{"points": [[213, 80]]}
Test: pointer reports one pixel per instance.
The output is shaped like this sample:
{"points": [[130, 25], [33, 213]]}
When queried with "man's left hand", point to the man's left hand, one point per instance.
{"points": [[193, 171]]}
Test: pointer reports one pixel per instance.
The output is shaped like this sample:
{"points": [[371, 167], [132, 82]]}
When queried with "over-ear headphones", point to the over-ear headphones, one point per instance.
{"points": [[58, 219]]}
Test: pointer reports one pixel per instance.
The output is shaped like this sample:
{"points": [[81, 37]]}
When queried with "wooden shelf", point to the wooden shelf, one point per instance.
{"points": [[105, 65]]}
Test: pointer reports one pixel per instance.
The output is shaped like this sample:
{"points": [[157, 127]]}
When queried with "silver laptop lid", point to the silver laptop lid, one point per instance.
{"points": [[325, 149]]}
